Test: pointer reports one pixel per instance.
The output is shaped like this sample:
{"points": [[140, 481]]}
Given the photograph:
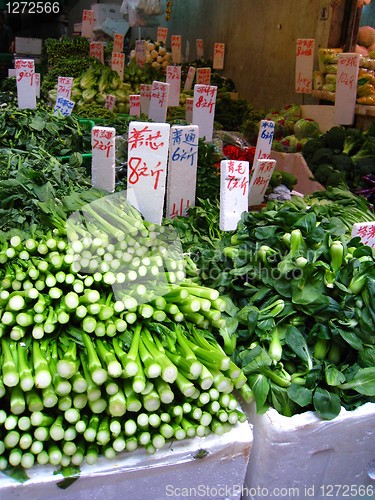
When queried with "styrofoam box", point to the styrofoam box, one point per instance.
{"points": [[174, 471], [29, 46], [102, 11], [303, 456]]}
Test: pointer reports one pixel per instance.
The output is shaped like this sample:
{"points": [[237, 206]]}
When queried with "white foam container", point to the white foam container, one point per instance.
{"points": [[292, 454], [175, 471]]}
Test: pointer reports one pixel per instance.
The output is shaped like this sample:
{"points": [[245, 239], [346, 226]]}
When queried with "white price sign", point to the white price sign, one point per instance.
{"points": [[199, 46], [63, 106], [365, 231], [135, 105], [159, 102], [87, 24], [64, 86], [189, 109], [218, 62], [117, 64], [234, 192], [203, 76], [174, 79], [162, 34], [204, 109], [26, 94], [304, 65], [140, 53], [37, 84], [346, 88], [103, 158], [118, 42], [189, 78], [264, 141], [176, 49], [260, 179], [97, 51], [110, 101], [145, 93]]}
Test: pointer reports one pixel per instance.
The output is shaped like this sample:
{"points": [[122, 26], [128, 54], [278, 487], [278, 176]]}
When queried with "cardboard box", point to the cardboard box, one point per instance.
{"points": [[102, 11], [175, 471], [29, 46], [323, 114], [303, 456]]}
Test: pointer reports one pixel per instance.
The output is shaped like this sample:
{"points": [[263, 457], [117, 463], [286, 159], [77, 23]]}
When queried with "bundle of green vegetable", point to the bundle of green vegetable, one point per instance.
{"points": [[55, 50], [95, 363], [305, 297]]}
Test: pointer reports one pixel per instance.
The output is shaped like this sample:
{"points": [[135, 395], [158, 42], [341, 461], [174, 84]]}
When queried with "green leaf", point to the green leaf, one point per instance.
{"points": [[351, 338], [281, 401], [305, 295], [306, 223], [37, 123], [70, 473], [17, 473], [299, 394], [260, 386], [363, 382], [326, 404], [333, 376], [254, 360], [296, 341]]}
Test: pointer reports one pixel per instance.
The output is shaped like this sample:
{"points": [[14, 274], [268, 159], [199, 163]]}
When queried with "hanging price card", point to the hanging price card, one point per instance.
{"points": [[189, 109], [218, 62], [110, 101], [36, 80], [64, 86], [182, 169], [204, 109], [366, 231], [162, 34], [97, 51], [346, 88], [234, 192], [63, 106], [190, 78], [260, 179], [145, 93], [264, 141], [199, 46], [140, 53], [117, 63], [87, 24], [103, 158], [135, 105], [118, 42], [174, 79], [176, 49], [26, 95], [304, 65], [148, 145], [203, 76], [158, 102]]}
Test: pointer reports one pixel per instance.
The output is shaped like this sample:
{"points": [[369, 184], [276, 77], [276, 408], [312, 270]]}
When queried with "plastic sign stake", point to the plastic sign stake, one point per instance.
{"points": [[264, 140], [110, 101], [97, 51], [162, 34], [260, 179], [366, 231], [117, 64], [189, 109], [200, 50], [346, 88], [148, 145], [182, 169], [64, 86], [158, 102], [135, 105], [87, 24], [103, 158], [26, 94], [234, 192], [145, 93], [173, 77], [190, 78], [204, 109], [176, 49], [218, 61], [63, 106], [304, 65], [140, 53], [118, 42], [203, 76]]}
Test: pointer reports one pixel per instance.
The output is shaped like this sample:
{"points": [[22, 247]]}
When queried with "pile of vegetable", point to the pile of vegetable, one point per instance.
{"points": [[157, 56], [343, 156], [304, 293]]}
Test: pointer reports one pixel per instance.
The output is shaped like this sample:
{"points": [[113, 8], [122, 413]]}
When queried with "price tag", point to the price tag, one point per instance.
{"points": [[260, 179], [158, 102], [218, 62], [346, 88], [366, 231], [162, 34], [264, 141], [173, 77], [110, 101], [176, 49], [145, 93], [190, 78], [140, 53], [117, 63], [199, 46], [148, 145], [135, 105], [36, 79], [189, 109], [118, 42], [87, 24], [234, 192], [103, 158], [182, 169], [204, 109], [64, 86], [64, 106], [304, 65], [97, 51], [203, 76], [26, 95]]}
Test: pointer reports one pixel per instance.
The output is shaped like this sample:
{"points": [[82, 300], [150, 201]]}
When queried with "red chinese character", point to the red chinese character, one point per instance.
{"points": [[136, 171], [156, 173], [145, 137]]}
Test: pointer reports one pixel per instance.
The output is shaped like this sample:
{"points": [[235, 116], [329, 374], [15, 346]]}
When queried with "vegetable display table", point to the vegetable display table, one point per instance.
{"points": [[214, 465], [303, 456]]}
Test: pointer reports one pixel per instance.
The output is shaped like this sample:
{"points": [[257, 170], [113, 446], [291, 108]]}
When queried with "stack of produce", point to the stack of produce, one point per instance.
{"points": [[157, 56]]}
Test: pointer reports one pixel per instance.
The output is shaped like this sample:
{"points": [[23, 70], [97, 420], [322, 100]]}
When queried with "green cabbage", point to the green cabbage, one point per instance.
{"points": [[306, 127], [88, 94]]}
